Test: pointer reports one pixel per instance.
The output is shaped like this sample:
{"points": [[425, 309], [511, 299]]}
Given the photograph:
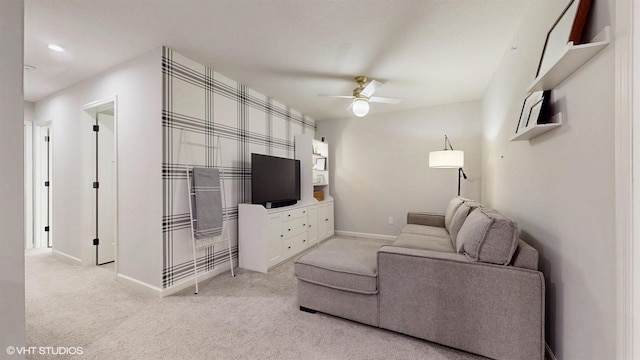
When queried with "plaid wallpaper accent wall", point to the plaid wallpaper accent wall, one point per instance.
{"points": [[199, 105]]}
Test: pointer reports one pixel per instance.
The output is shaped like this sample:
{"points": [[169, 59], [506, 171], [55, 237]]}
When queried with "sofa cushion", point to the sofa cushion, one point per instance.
{"points": [[525, 256], [425, 230], [423, 242], [489, 236], [344, 264], [425, 218], [458, 219], [451, 210]]}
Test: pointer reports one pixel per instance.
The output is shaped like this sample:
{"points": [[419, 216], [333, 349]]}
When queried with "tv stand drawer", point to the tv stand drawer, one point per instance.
{"points": [[294, 213], [294, 245], [294, 227]]}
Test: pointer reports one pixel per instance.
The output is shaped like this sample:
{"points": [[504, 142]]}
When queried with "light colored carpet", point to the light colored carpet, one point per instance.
{"points": [[251, 316]]}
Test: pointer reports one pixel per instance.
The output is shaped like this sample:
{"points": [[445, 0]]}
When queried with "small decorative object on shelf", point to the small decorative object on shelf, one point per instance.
{"points": [[318, 195], [319, 179]]}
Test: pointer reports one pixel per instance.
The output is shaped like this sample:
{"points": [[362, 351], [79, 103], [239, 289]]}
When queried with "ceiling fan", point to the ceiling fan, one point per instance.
{"points": [[362, 96]]}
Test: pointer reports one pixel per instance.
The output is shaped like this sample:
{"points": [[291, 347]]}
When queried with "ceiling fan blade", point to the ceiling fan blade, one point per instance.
{"points": [[371, 87], [386, 100], [350, 106], [338, 96]]}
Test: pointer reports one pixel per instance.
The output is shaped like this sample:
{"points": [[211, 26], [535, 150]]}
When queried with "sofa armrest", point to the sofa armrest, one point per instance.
{"points": [[492, 310], [425, 218]]}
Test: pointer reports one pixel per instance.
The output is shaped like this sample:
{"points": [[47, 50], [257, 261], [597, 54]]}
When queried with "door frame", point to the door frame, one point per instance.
{"points": [[29, 199], [627, 166]]}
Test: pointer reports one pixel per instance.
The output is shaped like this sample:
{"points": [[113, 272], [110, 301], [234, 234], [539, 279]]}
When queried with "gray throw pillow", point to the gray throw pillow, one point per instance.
{"points": [[454, 204], [489, 236], [459, 217]]}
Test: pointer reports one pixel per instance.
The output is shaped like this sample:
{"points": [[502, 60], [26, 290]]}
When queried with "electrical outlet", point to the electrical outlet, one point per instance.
{"points": [[390, 220]]}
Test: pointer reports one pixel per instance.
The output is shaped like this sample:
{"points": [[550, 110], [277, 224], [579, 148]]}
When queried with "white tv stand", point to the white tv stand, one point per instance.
{"points": [[267, 237]]}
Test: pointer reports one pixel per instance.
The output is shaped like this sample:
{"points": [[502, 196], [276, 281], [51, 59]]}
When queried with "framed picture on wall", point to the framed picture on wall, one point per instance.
{"points": [[321, 164], [568, 28], [533, 109]]}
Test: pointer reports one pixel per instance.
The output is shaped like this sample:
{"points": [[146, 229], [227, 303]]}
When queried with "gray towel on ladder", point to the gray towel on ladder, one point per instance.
{"points": [[208, 206]]}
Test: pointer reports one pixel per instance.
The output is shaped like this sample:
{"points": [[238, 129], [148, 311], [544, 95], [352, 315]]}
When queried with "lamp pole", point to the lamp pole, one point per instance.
{"points": [[460, 174]]}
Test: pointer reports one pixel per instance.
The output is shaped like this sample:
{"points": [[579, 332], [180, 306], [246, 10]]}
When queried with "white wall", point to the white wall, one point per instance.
{"points": [[379, 164], [559, 187], [12, 328], [138, 87]]}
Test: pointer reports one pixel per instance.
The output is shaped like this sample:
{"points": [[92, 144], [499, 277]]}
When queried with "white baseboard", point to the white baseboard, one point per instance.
{"points": [[364, 235], [549, 352], [158, 292], [138, 285], [66, 258]]}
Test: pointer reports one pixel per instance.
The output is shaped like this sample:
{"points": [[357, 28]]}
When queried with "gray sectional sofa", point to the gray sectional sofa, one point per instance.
{"points": [[463, 279]]}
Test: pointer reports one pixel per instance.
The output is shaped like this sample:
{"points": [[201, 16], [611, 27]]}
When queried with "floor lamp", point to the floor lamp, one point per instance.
{"points": [[448, 159]]}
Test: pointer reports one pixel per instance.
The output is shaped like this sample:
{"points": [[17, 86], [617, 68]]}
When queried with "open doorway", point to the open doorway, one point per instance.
{"points": [[102, 116]]}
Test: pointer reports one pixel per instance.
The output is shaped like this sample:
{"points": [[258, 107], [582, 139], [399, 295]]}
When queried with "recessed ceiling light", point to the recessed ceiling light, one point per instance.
{"points": [[29, 68], [55, 47]]}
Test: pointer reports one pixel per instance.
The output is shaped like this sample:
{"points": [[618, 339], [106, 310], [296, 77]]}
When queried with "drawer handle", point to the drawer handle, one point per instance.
{"points": [[304, 224], [303, 240], [304, 212], [281, 235], [309, 225], [289, 247], [326, 219], [289, 229], [289, 215]]}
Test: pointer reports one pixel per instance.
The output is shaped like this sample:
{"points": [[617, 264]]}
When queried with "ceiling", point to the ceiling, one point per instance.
{"points": [[429, 52]]}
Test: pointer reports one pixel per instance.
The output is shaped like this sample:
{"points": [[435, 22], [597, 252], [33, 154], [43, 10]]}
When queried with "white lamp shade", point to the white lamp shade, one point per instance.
{"points": [[446, 159], [360, 107]]}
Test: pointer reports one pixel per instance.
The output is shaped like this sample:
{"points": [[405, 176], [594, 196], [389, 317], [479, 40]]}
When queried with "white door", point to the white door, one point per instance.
{"points": [[42, 187], [101, 170], [106, 189]]}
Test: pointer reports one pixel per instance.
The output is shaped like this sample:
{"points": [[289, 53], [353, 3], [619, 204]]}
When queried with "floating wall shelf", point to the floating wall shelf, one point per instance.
{"points": [[537, 129], [571, 60]]}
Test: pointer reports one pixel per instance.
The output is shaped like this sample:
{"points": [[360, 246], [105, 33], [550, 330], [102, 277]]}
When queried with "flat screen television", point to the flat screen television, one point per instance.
{"points": [[275, 181]]}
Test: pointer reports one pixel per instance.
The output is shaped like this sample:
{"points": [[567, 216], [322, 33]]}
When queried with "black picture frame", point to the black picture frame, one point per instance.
{"points": [[535, 107]]}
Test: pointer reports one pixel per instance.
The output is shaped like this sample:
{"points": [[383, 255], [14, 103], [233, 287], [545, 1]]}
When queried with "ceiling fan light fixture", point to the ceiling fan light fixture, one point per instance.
{"points": [[360, 107]]}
